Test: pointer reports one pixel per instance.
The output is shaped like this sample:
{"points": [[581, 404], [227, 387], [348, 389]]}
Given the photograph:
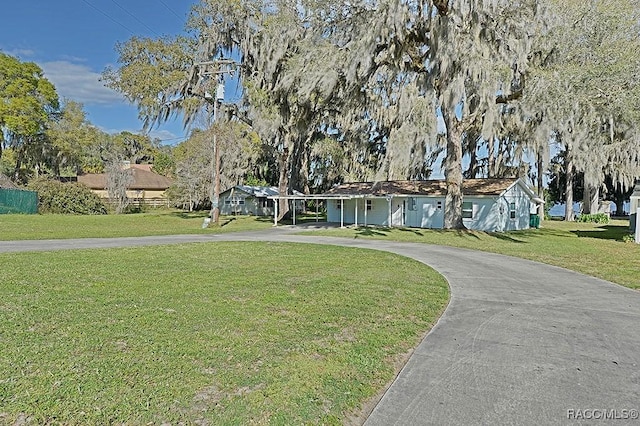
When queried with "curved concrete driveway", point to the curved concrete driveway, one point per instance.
{"points": [[520, 342]]}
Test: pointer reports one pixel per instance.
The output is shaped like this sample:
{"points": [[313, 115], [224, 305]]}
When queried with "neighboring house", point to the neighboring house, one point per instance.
{"points": [[5, 182], [147, 187], [251, 200], [488, 204]]}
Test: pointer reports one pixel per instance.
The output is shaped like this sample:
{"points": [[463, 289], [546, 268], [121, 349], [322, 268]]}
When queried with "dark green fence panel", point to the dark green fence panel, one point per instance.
{"points": [[18, 201]]}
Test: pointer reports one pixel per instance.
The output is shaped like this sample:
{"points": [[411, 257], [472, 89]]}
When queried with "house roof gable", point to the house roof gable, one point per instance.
{"points": [[5, 182], [142, 179]]}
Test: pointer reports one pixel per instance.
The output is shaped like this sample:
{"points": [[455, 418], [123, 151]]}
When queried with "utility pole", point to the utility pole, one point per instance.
{"points": [[205, 70]]}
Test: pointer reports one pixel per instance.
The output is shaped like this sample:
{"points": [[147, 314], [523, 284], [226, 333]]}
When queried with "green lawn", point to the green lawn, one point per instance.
{"points": [[224, 333], [602, 251], [160, 222], [233, 333]]}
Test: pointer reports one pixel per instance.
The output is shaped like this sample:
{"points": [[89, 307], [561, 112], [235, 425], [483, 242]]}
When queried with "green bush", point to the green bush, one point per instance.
{"points": [[593, 218], [66, 198]]}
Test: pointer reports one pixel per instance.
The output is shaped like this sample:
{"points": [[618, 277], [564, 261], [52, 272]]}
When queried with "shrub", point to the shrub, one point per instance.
{"points": [[593, 218], [66, 198]]}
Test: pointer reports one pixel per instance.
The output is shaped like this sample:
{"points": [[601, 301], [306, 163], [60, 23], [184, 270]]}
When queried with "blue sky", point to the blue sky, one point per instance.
{"points": [[73, 41]]}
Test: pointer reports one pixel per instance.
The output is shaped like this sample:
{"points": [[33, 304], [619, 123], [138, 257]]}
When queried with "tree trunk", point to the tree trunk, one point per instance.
{"points": [[472, 171], [568, 196], [283, 182], [453, 173], [619, 205], [590, 199], [491, 161]]}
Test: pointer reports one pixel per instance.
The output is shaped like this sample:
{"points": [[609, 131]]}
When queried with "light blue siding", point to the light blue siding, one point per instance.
{"points": [[492, 214]]}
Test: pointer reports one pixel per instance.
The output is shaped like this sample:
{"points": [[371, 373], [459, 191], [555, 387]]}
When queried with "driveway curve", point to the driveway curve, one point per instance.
{"points": [[520, 342]]}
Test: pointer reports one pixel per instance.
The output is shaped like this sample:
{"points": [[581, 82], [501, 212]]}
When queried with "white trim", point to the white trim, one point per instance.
{"points": [[365, 210], [356, 213]]}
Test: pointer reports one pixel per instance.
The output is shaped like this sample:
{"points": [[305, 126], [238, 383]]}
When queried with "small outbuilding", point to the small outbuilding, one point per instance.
{"points": [[251, 200], [494, 205]]}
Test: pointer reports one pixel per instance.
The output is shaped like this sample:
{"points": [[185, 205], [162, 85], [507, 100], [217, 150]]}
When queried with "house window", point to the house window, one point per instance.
{"points": [[234, 201], [439, 205], [512, 210], [369, 204], [467, 210], [411, 203], [338, 204]]}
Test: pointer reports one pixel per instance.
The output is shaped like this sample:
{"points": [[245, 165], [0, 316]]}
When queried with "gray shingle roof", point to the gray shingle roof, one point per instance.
{"points": [[479, 187], [259, 191]]}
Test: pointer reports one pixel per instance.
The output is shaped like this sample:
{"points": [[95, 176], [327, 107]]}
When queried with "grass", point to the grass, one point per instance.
{"points": [[601, 251], [233, 333], [197, 334], [160, 222]]}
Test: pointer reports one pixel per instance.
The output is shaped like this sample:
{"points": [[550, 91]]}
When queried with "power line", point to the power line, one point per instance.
{"points": [[109, 17], [171, 10], [135, 17]]}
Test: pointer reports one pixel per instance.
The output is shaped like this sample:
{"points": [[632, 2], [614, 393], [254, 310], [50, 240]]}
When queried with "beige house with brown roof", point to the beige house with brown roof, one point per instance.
{"points": [[147, 187], [494, 205]]}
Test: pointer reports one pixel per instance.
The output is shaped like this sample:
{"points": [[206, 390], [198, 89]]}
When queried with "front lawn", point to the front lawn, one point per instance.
{"points": [[160, 222], [602, 251], [215, 333]]}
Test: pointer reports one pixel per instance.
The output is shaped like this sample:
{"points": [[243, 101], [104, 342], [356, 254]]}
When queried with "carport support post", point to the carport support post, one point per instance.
{"points": [[365, 211], [389, 198], [341, 212], [316, 203], [356, 213], [293, 204]]}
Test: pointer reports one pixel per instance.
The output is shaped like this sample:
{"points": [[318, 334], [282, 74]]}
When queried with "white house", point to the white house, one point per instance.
{"points": [[250, 200], [494, 205]]}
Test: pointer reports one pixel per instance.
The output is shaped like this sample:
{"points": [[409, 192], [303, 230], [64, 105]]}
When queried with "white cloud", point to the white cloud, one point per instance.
{"points": [[166, 136], [19, 53], [80, 83]]}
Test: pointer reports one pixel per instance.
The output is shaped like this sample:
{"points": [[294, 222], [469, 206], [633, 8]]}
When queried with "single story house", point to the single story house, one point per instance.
{"points": [[251, 200], [146, 187], [494, 205]]}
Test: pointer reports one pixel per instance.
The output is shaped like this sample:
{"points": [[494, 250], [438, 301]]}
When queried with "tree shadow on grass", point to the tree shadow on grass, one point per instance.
{"points": [[505, 237], [367, 231], [228, 221], [412, 230], [191, 215], [465, 233], [605, 232]]}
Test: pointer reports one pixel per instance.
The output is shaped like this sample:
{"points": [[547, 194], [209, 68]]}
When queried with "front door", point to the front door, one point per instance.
{"points": [[437, 214], [397, 212]]}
